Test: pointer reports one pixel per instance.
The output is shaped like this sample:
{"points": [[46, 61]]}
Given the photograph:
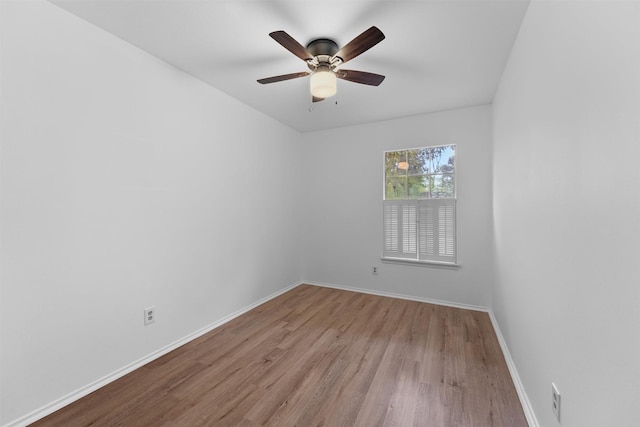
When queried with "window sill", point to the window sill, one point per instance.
{"points": [[436, 264]]}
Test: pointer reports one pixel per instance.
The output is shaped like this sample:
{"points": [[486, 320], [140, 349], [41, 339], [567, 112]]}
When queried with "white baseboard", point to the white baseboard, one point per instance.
{"points": [[73, 396], [522, 394], [400, 296]]}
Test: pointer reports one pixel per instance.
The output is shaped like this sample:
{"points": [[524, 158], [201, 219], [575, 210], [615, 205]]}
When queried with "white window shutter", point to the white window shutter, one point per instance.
{"points": [[437, 230], [409, 230], [423, 230], [400, 229], [447, 230], [426, 231], [391, 229]]}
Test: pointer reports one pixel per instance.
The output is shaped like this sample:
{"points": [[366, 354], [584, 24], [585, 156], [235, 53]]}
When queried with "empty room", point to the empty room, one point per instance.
{"points": [[337, 213]]}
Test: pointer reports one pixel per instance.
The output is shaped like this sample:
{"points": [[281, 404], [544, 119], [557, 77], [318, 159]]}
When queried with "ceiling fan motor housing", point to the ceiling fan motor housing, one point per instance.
{"points": [[322, 47]]}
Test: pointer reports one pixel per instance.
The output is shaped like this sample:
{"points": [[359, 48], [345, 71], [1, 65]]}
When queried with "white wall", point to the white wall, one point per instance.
{"points": [[342, 202], [125, 184], [118, 173], [567, 210]]}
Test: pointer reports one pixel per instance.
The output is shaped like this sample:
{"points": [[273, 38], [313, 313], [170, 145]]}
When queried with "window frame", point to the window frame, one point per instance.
{"points": [[420, 203]]}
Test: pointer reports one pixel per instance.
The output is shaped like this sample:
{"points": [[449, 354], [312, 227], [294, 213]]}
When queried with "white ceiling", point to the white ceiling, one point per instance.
{"points": [[437, 55]]}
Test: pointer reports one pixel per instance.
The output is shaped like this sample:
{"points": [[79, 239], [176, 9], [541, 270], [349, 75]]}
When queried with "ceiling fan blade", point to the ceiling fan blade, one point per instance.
{"points": [[282, 77], [291, 45], [316, 99], [363, 77], [360, 44]]}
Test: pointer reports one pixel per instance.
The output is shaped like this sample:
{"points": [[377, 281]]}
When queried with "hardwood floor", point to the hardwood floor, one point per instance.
{"points": [[319, 357]]}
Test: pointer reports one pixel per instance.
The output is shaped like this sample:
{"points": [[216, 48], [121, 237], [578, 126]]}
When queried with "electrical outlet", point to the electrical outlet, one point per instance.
{"points": [[555, 401], [149, 315], [374, 270]]}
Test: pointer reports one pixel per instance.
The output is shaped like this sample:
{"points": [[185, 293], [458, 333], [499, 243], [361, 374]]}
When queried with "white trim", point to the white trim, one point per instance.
{"points": [[95, 385], [400, 296], [522, 394], [421, 263], [72, 397]]}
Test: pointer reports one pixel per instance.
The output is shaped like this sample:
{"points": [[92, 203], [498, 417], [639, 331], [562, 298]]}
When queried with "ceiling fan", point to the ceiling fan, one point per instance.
{"points": [[323, 57]]}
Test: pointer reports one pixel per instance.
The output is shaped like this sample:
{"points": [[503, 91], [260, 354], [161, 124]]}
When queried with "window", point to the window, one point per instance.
{"points": [[420, 204]]}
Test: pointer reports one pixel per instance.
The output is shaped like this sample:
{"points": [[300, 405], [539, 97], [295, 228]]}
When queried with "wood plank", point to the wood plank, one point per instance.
{"points": [[319, 356]]}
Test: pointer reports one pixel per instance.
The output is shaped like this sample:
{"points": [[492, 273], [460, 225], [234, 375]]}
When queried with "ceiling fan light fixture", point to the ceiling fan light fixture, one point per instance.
{"points": [[323, 83]]}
